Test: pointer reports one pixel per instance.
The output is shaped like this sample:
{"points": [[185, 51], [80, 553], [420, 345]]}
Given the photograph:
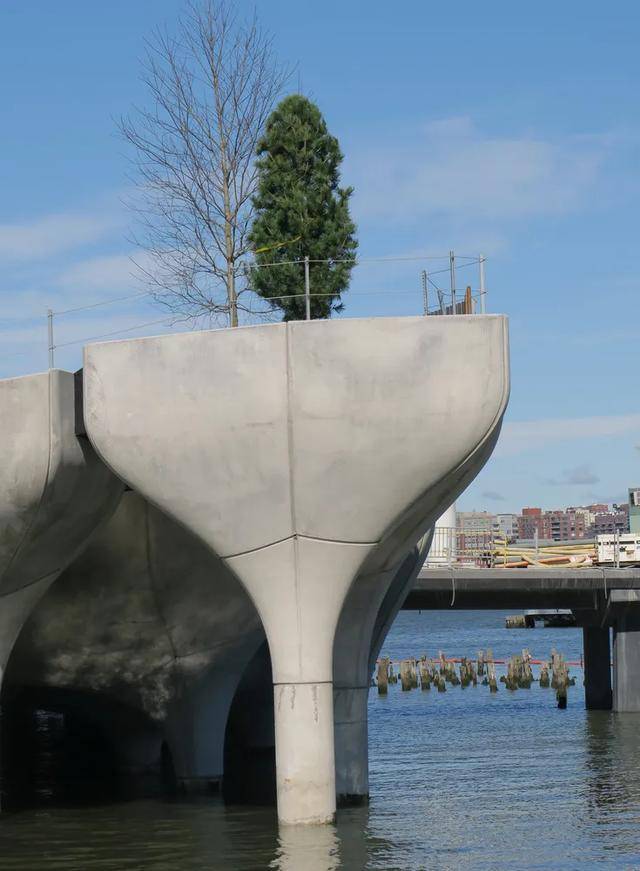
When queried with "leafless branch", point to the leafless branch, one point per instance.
{"points": [[211, 88]]}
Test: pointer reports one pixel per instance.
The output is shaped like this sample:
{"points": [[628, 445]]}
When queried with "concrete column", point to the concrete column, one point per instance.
{"points": [[626, 663], [597, 668], [303, 714], [351, 739]]}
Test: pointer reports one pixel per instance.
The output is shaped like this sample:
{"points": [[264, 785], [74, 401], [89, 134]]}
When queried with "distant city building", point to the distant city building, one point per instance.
{"points": [[534, 521], [566, 525], [474, 529], [609, 522], [506, 525], [576, 522], [634, 509], [584, 511]]}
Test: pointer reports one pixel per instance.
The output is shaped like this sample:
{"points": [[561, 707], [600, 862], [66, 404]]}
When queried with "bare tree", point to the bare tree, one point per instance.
{"points": [[212, 87]]}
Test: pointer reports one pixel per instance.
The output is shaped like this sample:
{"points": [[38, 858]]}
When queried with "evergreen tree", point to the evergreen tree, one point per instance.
{"points": [[301, 211]]}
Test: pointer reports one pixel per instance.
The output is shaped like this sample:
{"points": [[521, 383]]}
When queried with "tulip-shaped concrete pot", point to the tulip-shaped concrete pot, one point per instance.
{"points": [[304, 454], [54, 492]]}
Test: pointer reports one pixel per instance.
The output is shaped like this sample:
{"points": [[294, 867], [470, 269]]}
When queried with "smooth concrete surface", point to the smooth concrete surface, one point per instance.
{"points": [[626, 662], [148, 617], [54, 492], [304, 455], [597, 668]]}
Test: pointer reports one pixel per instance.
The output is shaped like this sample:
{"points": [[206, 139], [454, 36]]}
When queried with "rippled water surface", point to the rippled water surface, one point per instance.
{"points": [[460, 780]]}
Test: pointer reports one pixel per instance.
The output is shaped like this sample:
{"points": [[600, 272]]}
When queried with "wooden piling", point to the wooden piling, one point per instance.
{"points": [[526, 673], [425, 674], [405, 675], [383, 676], [491, 673], [413, 673]]}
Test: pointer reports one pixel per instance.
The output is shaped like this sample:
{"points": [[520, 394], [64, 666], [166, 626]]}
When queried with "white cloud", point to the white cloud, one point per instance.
{"points": [[453, 169], [578, 475], [53, 234], [519, 437]]}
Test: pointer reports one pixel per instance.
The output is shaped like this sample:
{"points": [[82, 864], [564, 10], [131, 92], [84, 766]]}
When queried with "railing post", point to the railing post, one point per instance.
{"points": [[307, 287], [50, 332], [452, 279]]}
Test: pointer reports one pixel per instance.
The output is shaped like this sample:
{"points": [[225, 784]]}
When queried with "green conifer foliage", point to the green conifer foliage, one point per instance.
{"points": [[301, 210]]}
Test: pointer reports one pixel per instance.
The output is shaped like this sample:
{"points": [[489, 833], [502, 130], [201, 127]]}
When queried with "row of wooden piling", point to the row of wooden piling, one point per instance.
{"points": [[427, 673]]}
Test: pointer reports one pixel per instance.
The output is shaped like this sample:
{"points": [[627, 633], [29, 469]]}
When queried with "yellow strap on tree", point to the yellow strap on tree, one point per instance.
{"points": [[278, 245]]}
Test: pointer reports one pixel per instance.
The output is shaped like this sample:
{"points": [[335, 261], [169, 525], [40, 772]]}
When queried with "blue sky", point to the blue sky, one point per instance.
{"points": [[503, 128]]}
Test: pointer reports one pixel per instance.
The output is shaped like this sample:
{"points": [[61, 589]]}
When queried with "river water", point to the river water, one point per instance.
{"points": [[460, 780]]}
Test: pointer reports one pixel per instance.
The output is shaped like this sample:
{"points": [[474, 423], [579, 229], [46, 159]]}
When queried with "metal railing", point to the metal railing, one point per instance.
{"points": [[455, 547], [403, 285]]}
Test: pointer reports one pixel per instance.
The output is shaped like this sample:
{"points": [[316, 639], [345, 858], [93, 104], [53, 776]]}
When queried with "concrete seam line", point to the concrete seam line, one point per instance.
{"points": [[26, 586], [357, 687], [290, 444], [296, 536], [152, 581], [300, 683]]}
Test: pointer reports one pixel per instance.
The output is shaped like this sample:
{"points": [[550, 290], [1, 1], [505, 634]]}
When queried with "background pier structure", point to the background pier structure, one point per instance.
{"points": [[626, 650], [54, 492], [597, 667], [194, 512], [602, 599]]}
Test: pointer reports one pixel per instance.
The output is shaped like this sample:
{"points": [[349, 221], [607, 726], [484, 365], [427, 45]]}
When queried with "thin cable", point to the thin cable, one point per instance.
{"points": [[113, 333], [82, 308], [357, 260]]}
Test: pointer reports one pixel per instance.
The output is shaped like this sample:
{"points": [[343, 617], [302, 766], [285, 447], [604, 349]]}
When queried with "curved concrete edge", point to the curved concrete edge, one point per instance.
{"points": [[370, 608], [54, 492], [376, 601]]}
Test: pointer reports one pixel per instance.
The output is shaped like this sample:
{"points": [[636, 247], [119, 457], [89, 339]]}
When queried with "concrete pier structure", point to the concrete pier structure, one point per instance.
{"points": [[306, 456], [597, 668], [626, 661], [282, 486]]}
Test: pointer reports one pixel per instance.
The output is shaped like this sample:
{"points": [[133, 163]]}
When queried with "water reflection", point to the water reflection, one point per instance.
{"points": [[307, 848], [612, 744]]}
